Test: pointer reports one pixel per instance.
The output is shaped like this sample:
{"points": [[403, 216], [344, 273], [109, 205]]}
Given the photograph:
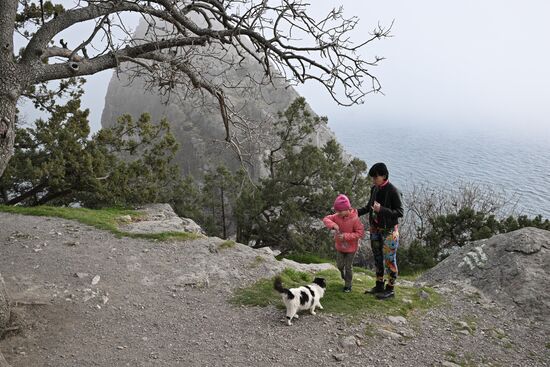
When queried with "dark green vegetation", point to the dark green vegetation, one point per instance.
{"points": [[57, 162], [335, 301], [457, 229], [106, 219]]}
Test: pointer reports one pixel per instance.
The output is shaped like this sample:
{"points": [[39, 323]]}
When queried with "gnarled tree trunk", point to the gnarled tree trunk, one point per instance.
{"points": [[10, 82], [7, 127]]}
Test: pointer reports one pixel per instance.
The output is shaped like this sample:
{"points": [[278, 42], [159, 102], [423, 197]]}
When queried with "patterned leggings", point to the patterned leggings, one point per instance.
{"points": [[384, 243]]}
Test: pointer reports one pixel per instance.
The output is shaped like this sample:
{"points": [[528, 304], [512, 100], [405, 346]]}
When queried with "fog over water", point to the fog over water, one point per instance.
{"points": [[517, 165]]}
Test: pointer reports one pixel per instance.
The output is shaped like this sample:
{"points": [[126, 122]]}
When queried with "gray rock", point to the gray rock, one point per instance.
{"points": [[339, 356], [390, 334], [348, 343], [512, 269], [398, 320], [158, 218]]}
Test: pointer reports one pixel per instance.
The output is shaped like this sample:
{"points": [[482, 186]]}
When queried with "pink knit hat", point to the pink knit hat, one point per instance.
{"points": [[341, 203]]}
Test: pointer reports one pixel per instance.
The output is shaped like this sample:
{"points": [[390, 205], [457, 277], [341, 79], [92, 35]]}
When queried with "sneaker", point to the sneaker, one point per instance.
{"points": [[347, 289], [378, 288], [388, 293]]}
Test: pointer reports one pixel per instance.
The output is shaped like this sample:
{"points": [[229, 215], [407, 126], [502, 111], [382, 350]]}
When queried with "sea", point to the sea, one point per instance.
{"points": [[515, 164]]}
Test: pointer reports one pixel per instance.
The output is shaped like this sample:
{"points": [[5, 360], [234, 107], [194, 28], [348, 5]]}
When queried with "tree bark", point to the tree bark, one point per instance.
{"points": [[10, 86], [8, 101]]}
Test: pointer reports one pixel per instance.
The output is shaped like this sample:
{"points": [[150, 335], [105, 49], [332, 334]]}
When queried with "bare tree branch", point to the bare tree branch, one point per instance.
{"points": [[279, 35]]}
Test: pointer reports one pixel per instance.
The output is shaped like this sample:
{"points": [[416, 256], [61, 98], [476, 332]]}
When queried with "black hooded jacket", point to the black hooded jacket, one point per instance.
{"points": [[390, 206]]}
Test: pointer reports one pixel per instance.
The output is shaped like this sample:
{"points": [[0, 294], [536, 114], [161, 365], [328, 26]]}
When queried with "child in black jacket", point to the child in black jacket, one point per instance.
{"points": [[384, 209]]}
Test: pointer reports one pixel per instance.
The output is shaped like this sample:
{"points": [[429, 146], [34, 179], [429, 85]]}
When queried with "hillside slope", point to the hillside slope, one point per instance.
{"points": [[83, 297]]}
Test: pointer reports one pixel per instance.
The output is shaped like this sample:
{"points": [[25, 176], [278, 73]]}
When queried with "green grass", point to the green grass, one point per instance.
{"points": [[105, 219], [226, 245], [305, 258], [335, 301]]}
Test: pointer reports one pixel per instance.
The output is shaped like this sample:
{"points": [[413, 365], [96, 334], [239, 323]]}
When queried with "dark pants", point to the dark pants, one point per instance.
{"points": [[384, 243], [344, 263]]}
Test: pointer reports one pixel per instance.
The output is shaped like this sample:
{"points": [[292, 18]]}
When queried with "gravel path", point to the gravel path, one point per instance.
{"points": [[83, 297]]}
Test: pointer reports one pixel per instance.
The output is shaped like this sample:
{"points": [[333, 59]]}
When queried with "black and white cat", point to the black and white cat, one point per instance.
{"points": [[302, 298]]}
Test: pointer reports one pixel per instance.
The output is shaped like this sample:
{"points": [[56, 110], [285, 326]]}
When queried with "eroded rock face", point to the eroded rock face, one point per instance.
{"points": [[195, 118], [4, 306], [511, 268], [158, 218]]}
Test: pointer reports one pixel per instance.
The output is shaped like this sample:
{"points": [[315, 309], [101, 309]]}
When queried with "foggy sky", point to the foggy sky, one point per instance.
{"points": [[473, 63]]}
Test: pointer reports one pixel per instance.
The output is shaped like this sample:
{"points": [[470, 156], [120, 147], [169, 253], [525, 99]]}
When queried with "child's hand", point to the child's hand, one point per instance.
{"points": [[336, 228], [376, 206]]}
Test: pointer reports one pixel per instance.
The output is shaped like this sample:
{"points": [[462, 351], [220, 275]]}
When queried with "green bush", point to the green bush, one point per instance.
{"points": [[415, 258]]}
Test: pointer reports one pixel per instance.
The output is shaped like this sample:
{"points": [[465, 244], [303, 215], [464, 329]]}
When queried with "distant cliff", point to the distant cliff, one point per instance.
{"points": [[195, 119]]}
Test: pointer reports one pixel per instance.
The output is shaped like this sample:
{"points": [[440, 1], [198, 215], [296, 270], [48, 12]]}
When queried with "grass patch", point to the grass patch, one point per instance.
{"points": [[335, 301], [451, 356], [257, 261], [105, 219], [305, 258], [226, 245]]}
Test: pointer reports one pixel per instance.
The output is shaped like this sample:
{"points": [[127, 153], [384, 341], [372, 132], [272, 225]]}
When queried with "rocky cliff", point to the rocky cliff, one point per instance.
{"points": [[195, 118], [511, 268]]}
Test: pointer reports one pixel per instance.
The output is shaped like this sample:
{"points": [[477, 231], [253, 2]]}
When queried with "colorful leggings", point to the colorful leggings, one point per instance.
{"points": [[384, 243]]}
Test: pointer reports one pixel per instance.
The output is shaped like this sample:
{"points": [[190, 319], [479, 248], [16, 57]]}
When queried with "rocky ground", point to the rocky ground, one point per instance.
{"points": [[82, 297]]}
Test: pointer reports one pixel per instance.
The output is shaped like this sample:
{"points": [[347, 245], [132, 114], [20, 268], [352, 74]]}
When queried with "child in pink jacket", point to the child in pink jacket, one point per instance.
{"points": [[348, 230]]}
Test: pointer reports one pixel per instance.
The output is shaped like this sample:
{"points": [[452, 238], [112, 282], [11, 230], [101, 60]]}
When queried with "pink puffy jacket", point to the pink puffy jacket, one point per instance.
{"points": [[350, 226]]}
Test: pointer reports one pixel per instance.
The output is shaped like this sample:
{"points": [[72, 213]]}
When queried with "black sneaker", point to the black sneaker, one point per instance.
{"points": [[347, 289], [388, 293], [378, 288]]}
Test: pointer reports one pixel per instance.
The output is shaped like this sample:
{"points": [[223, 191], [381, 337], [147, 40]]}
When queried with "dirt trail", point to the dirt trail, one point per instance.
{"points": [[83, 297]]}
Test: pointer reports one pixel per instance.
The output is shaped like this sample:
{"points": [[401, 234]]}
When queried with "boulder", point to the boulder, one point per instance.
{"points": [[158, 218], [511, 268]]}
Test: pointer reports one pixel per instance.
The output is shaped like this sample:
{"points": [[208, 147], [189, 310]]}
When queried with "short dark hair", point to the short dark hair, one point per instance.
{"points": [[379, 169]]}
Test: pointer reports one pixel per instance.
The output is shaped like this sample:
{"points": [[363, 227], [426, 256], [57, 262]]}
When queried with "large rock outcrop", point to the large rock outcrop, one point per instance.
{"points": [[196, 120], [511, 268], [158, 218]]}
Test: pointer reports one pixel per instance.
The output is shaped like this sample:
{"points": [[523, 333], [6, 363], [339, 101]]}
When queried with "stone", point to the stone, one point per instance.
{"points": [[399, 320], [339, 356], [158, 218], [348, 343], [512, 269], [96, 279], [390, 334]]}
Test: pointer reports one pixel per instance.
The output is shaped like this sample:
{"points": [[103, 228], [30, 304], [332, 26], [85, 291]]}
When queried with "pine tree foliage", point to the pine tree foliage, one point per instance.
{"points": [[285, 209], [57, 162]]}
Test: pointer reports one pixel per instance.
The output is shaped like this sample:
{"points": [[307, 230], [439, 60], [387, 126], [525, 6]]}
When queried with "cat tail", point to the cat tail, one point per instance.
{"points": [[278, 286]]}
